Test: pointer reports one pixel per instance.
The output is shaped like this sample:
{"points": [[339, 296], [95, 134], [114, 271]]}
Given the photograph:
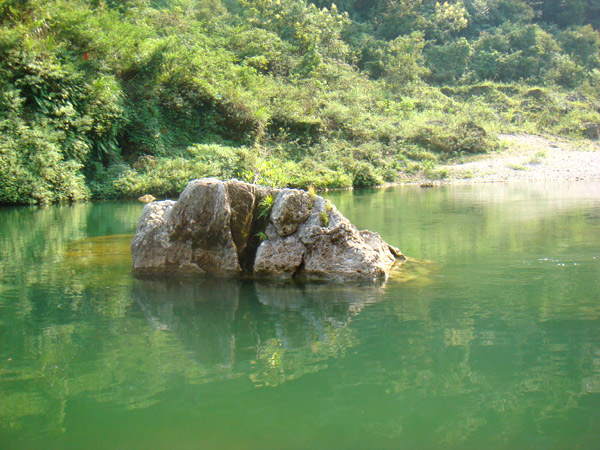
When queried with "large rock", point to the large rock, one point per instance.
{"points": [[222, 228], [290, 209], [196, 233], [337, 250], [277, 256]]}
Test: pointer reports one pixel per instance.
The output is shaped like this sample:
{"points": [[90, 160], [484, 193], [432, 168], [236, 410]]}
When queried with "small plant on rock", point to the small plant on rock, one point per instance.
{"points": [[261, 236], [312, 193], [325, 218], [265, 206]]}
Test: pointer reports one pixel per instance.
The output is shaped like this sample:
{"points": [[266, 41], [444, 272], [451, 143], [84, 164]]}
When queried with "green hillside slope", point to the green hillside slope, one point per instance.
{"points": [[112, 99]]}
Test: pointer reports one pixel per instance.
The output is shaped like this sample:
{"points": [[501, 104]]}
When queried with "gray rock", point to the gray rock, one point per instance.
{"points": [[339, 251], [200, 224], [150, 243], [279, 257], [212, 229], [189, 236], [290, 209], [242, 201]]}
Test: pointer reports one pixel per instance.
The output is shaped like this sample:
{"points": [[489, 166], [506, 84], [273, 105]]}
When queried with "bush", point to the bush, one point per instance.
{"points": [[513, 52], [364, 175], [582, 44], [448, 62], [141, 96], [448, 139], [565, 72]]}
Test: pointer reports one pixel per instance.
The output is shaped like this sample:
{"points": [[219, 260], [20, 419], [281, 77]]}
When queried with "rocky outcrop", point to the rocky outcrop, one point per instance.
{"points": [[233, 228]]}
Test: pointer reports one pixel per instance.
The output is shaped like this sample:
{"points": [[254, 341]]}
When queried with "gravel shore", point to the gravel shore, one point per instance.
{"points": [[530, 158]]}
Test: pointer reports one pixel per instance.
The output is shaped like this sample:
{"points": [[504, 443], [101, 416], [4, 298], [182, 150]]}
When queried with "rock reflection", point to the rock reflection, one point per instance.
{"points": [[200, 313], [270, 332]]}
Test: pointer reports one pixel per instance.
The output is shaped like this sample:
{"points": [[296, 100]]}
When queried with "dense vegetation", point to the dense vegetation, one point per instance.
{"points": [[109, 98]]}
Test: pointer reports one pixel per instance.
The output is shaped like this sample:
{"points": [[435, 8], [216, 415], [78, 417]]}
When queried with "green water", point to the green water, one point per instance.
{"points": [[488, 338]]}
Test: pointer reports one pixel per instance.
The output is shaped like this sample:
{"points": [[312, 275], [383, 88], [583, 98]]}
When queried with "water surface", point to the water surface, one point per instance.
{"points": [[489, 337]]}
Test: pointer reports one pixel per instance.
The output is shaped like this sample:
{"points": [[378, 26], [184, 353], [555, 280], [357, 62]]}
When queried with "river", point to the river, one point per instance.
{"points": [[488, 337]]}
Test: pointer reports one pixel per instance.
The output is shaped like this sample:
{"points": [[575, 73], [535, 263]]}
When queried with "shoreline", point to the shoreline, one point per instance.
{"points": [[526, 158]]}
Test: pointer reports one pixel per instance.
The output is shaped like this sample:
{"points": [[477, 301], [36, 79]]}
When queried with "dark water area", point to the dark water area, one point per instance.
{"points": [[488, 337]]}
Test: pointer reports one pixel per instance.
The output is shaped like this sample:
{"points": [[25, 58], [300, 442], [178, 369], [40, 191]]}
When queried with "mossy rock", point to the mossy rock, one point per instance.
{"points": [[481, 89], [591, 131], [467, 137], [536, 93]]}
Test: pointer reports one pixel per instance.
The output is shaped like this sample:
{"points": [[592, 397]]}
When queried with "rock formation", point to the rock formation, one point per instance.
{"points": [[233, 228]]}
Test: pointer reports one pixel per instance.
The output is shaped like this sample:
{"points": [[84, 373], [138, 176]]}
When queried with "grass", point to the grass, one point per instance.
{"points": [[265, 206], [313, 194], [261, 236], [515, 166], [538, 158], [325, 218]]}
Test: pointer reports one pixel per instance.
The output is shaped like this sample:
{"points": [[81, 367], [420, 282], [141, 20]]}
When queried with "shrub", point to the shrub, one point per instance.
{"points": [[461, 137], [448, 62], [364, 175]]}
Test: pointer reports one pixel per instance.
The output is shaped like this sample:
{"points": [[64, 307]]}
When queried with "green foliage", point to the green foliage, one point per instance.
{"points": [[450, 18], [513, 52], [313, 195], [261, 236], [167, 176], [314, 33], [399, 61], [583, 45], [365, 175], [448, 62], [114, 99], [450, 138], [432, 172], [324, 218], [265, 206]]}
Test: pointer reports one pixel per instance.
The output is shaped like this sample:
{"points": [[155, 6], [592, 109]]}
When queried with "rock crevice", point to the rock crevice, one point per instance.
{"points": [[222, 229]]}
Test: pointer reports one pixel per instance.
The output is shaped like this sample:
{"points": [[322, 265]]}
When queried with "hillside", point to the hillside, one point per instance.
{"points": [[112, 99]]}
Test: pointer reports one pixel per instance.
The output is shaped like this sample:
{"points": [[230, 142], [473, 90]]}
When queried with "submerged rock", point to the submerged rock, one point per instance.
{"points": [[233, 228], [146, 198]]}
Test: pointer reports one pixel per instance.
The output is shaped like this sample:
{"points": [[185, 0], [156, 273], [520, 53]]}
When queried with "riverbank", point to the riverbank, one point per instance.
{"points": [[527, 158]]}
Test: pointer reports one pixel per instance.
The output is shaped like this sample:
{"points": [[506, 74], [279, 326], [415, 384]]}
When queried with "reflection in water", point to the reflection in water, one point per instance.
{"points": [[487, 337], [283, 330]]}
